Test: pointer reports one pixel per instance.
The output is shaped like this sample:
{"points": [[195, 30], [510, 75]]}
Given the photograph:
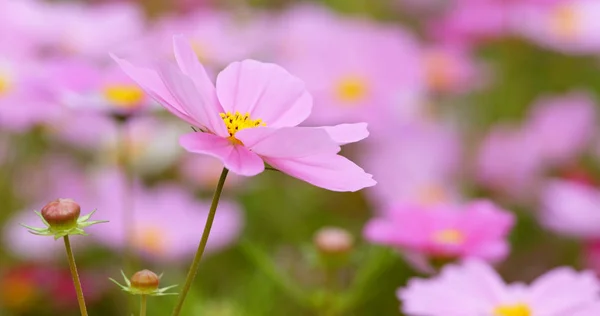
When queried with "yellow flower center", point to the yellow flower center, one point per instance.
{"points": [[513, 310], [200, 50], [4, 84], [449, 237], [438, 71], [565, 21], [431, 195], [237, 122], [126, 96], [351, 89], [150, 239]]}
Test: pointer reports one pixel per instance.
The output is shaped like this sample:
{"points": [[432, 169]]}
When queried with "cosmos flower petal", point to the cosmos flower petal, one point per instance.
{"points": [[347, 133], [329, 171], [190, 65], [266, 91], [287, 142], [238, 159], [184, 91]]}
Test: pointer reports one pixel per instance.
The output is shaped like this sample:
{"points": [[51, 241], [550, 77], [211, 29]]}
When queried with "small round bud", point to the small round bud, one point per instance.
{"points": [[145, 281], [61, 213], [333, 240]]}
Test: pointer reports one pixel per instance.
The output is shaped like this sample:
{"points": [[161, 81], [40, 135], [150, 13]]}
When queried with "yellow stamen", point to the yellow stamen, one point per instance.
{"points": [[4, 85], [351, 89], [150, 239], [237, 122], [449, 237], [512, 310], [565, 21], [432, 194], [438, 71], [126, 96]]}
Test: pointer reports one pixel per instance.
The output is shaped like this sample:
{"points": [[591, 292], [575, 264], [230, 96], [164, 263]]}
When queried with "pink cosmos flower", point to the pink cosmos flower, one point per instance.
{"points": [[473, 288], [509, 161], [477, 229], [450, 69], [160, 235], [350, 80], [562, 126], [416, 164], [251, 118], [569, 26], [571, 209]]}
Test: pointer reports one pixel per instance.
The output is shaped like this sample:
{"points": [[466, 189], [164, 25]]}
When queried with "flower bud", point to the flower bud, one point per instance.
{"points": [[145, 281], [333, 240], [61, 214]]}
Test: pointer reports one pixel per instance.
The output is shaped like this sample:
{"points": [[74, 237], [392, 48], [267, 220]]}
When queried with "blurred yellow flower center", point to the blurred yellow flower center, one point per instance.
{"points": [[200, 50], [513, 310], [351, 89], [565, 21], [438, 71], [126, 96], [237, 122], [432, 194], [448, 237], [150, 239], [4, 84]]}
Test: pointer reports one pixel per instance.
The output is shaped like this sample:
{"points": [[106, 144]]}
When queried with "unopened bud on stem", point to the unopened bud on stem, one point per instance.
{"points": [[145, 281], [61, 214], [333, 240]]}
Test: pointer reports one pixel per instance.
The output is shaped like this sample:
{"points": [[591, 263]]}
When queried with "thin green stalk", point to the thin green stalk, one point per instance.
{"points": [[143, 305], [196, 263], [75, 276], [127, 203]]}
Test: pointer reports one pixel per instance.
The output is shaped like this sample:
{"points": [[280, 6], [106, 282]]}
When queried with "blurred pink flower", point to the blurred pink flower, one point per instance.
{"points": [[217, 37], [473, 288], [251, 118], [562, 126], [569, 26], [469, 22], [416, 163], [450, 69], [357, 70], [91, 31], [477, 229], [204, 171], [165, 220], [24, 95], [571, 208]]}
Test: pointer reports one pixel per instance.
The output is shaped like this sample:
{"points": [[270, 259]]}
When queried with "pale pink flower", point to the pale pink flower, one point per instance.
{"points": [[509, 161], [562, 126], [356, 69], [569, 26], [165, 220], [571, 209], [204, 172], [450, 69], [473, 288], [250, 119], [477, 229], [415, 163]]}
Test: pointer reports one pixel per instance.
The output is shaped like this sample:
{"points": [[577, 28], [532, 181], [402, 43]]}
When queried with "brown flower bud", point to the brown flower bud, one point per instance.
{"points": [[333, 240], [145, 281], [61, 214]]}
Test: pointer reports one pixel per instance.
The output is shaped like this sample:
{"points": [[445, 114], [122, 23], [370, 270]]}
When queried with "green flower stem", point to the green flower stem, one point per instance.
{"points": [[124, 157], [75, 275], [143, 299], [196, 263]]}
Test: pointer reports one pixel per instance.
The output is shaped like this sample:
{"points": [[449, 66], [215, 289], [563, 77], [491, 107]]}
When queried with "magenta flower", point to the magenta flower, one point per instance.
{"points": [[477, 229], [251, 118], [475, 289]]}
